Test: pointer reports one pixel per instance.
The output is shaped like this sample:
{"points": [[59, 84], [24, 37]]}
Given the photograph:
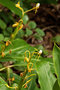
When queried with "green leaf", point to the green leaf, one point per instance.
{"points": [[2, 24], [56, 39], [38, 37], [18, 47], [14, 85], [6, 39], [2, 84], [1, 37], [9, 30], [56, 86], [46, 78], [32, 24], [56, 61], [25, 19], [20, 34], [5, 33], [28, 32], [10, 5], [40, 32], [17, 50], [32, 85], [4, 16]]}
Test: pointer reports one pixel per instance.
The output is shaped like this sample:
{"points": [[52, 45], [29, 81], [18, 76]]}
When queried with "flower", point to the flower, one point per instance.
{"points": [[15, 24], [18, 5], [37, 5], [8, 42], [40, 52]]}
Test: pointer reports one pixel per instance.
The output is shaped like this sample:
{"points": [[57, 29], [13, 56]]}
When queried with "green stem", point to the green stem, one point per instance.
{"points": [[8, 75]]}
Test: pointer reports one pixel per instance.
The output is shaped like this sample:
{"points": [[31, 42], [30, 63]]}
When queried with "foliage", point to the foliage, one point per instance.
{"points": [[31, 30], [56, 39], [26, 68]]}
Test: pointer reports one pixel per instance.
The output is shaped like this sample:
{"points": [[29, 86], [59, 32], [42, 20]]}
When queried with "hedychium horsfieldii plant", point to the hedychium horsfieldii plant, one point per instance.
{"points": [[25, 79], [29, 69], [19, 24]]}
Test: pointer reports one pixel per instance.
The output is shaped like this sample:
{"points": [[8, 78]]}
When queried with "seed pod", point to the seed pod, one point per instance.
{"points": [[21, 74], [10, 51], [25, 86], [3, 54], [13, 79], [8, 42]]}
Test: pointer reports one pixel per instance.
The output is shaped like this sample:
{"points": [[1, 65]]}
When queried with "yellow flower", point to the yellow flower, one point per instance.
{"points": [[18, 5], [13, 79], [8, 42], [15, 25], [27, 59]]}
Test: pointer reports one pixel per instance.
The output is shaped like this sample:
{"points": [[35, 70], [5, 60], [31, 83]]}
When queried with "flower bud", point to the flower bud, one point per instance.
{"points": [[40, 52], [21, 74], [18, 5], [3, 54], [37, 5], [25, 86], [13, 79], [15, 25]]}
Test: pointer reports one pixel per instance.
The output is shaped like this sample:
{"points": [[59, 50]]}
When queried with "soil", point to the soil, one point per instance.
{"points": [[47, 19]]}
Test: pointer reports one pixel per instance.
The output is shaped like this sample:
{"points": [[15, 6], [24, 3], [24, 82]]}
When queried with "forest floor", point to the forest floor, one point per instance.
{"points": [[47, 19]]}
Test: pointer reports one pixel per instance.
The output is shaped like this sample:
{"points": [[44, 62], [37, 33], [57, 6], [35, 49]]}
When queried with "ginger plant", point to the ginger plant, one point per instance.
{"points": [[19, 26]]}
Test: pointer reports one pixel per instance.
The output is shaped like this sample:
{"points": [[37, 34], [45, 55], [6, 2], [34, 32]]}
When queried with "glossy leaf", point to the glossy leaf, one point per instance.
{"points": [[17, 48], [10, 5], [56, 61], [32, 85], [46, 78]]}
